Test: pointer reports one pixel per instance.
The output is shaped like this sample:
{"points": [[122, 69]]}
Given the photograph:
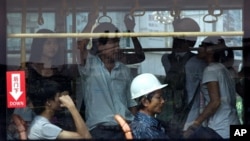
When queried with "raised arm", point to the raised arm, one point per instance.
{"points": [[138, 55], [83, 42], [92, 16], [81, 128], [214, 103], [210, 109]]}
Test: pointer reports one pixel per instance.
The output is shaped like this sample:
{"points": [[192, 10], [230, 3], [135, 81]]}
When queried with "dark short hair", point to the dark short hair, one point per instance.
{"points": [[140, 99], [186, 25], [213, 40], [41, 92]]}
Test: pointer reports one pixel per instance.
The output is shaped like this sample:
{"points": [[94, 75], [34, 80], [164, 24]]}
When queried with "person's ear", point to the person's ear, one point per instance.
{"points": [[145, 101], [48, 103]]}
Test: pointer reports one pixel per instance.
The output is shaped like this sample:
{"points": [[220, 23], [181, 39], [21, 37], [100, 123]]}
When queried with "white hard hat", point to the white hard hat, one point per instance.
{"points": [[144, 84]]}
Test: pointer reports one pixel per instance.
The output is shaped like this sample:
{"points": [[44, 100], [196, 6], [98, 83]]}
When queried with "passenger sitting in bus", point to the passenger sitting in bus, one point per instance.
{"points": [[47, 99], [148, 91], [46, 61]]}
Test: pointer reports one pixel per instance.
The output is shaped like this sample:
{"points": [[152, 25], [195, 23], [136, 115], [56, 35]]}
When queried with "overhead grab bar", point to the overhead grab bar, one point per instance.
{"points": [[217, 7], [23, 45], [210, 17], [40, 20], [64, 9], [95, 11], [212, 14], [96, 7], [126, 34], [104, 15], [175, 12], [137, 8]]}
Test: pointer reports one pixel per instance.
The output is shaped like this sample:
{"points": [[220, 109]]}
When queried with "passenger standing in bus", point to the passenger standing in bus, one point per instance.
{"points": [[105, 83], [47, 62], [219, 92], [127, 58], [227, 59], [47, 99], [190, 86]]}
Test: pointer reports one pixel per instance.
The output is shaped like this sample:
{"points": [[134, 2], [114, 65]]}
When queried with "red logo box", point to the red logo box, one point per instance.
{"points": [[16, 89]]}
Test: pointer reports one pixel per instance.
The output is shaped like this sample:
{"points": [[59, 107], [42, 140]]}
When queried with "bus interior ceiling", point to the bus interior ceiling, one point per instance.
{"points": [[122, 5]]}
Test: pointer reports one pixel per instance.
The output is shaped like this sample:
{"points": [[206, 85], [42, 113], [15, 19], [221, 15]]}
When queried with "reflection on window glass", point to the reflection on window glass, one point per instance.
{"points": [[151, 21], [15, 26]]}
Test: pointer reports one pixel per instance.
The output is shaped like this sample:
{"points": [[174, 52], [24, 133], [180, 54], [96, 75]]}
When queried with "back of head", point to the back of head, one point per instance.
{"points": [[186, 25], [36, 46], [41, 91], [144, 84], [213, 40]]}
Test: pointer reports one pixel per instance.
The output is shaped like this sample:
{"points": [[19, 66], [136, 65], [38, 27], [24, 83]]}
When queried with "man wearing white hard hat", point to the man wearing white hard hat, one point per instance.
{"points": [[146, 89]]}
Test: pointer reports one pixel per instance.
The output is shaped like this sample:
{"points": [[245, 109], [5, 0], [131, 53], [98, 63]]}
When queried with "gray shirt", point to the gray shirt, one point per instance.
{"points": [[41, 128]]}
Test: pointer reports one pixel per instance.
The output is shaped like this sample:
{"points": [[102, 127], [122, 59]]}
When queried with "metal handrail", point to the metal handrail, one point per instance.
{"points": [[124, 34]]}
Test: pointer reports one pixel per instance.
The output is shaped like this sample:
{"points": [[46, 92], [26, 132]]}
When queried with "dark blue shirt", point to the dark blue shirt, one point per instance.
{"points": [[146, 127]]}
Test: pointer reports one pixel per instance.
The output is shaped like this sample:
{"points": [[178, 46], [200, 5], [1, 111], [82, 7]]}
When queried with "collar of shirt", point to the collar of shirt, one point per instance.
{"points": [[180, 53], [117, 64], [151, 121]]}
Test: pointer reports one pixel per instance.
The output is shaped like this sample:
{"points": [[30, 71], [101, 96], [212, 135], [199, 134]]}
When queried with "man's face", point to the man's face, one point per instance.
{"points": [[110, 49], [55, 104], [182, 44], [157, 102]]}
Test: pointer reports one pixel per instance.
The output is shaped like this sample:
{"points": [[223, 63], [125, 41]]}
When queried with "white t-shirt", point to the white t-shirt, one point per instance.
{"points": [[41, 128], [226, 114]]}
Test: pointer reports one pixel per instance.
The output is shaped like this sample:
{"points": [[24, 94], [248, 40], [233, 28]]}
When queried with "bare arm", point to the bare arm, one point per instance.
{"points": [[214, 103], [92, 16], [81, 128], [82, 43], [210, 109], [138, 56]]}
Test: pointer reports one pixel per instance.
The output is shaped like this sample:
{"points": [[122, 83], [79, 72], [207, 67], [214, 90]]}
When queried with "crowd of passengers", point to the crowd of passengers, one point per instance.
{"points": [[104, 86]]}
